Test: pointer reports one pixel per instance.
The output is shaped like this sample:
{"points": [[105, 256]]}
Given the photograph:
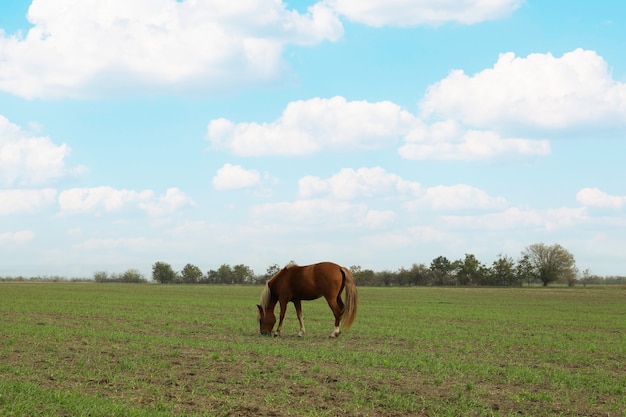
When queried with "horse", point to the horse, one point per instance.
{"points": [[296, 283]]}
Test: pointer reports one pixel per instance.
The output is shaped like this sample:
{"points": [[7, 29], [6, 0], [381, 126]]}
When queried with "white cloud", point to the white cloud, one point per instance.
{"points": [[89, 47], [449, 141], [25, 201], [304, 213], [108, 199], [96, 199], [139, 244], [549, 219], [418, 12], [20, 237], [593, 197], [411, 236], [29, 160], [309, 126], [231, 177], [378, 218], [539, 90], [457, 197], [349, 184], [168, 203]]}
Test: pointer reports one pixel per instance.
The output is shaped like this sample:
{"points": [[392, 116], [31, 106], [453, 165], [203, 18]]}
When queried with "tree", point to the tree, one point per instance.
{"points": [[271, 271], [470, 271], [224, 274], [586, 277], [163, 273], [421, 275], [363, 276], [503, 271], [132, 276], [442, 269], [551, 262], [243, 274], [385, 278], [524, 270], [191, 274], [101, 276]]}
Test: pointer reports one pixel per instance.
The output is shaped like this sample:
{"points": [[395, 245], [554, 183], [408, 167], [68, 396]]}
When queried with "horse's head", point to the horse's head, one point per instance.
{"points": [[267, 319]]}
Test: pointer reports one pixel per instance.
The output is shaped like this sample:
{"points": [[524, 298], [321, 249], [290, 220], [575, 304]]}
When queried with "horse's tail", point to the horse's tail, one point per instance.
{"points": [[352, 299]]}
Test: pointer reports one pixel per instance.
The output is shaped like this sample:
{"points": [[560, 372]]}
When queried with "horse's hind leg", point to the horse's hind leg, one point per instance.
{"points": [[337, 311], [298, 305]]}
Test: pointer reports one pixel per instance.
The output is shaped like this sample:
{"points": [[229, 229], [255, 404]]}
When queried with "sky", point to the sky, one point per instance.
{"points": [[377, 133]]}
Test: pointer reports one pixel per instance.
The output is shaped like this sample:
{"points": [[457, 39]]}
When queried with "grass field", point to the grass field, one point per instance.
{"points": [[150, 350]]}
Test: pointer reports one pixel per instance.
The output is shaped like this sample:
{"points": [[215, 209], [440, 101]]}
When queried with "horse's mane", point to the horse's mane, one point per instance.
{"points": [[266, 294]]}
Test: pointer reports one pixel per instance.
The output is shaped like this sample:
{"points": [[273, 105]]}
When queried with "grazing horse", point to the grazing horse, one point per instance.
{"points": [[296, 283]]}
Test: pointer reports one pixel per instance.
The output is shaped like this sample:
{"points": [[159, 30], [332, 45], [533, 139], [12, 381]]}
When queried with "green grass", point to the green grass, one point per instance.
{"points": [[150, 350]]}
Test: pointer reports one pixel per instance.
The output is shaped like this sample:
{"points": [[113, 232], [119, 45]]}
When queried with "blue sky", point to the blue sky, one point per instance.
{"points": [[378, 133]]}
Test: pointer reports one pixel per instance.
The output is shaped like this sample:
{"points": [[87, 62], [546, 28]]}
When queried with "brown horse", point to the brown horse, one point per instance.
{"points": [[296, 283]]}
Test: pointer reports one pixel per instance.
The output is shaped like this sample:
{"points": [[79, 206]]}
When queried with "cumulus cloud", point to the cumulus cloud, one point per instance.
{"points": [[21, 201], [514, 217], [310, 212], [349, 184], [407, 237], [456, 197], [540, 90], [417, 12], [448, 140], [594, 197], [108, 199], [138, 244], [231, 177], [309, 126], [96, 199], [19, 237], [321, 214], [168, 203], [89, 47], [26, 159]]}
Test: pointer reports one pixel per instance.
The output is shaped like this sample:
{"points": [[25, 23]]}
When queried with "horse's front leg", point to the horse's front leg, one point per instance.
{"points": [[283, 310], [298, 305]]}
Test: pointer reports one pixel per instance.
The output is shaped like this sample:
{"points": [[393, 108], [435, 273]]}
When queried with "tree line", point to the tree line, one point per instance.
{"points": [[538, 263]]}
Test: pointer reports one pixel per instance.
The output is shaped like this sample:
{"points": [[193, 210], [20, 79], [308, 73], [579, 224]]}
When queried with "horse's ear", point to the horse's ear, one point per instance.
{"points": [[260, 309]]}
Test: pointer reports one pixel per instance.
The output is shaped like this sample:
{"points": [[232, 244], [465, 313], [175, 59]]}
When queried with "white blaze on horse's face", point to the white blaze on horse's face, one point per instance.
{"points": [[267, 319]]}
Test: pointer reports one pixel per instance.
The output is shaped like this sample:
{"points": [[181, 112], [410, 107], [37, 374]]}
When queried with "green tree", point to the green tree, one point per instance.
{"points": [[442, 270], [420, 274], [163, 273], [191, 274], [363, 276], [551, 262], [470, 271], [503, 271], [224, 274], [525, 271], [101, 276], [132, 276], [243, 274], [271, 271], [386, 278]]}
